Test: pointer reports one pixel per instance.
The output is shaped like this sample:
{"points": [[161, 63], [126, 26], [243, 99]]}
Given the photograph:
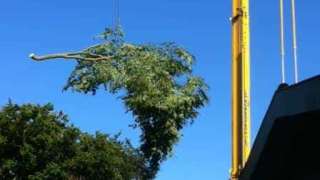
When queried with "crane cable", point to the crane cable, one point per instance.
{"points": [[116, 14], [283, 78], [294, 33], [116, 21], [294, 39]]}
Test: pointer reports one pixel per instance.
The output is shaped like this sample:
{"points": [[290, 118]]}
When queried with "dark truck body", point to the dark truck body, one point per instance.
{"points": [[287, 146]]}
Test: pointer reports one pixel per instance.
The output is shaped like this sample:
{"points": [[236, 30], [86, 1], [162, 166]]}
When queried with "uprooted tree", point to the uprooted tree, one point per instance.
{"points": [[155, 82]]}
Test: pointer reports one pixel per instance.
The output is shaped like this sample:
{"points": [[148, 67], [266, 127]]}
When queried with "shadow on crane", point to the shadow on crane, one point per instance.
{"points": [[287, 146]]}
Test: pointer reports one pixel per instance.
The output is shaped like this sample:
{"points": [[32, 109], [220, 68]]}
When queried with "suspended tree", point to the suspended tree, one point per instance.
{"points": [[155, 82]]}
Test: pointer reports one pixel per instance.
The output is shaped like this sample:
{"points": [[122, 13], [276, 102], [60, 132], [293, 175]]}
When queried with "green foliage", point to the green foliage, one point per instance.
{"points": [[156, 84], [37, 143]]}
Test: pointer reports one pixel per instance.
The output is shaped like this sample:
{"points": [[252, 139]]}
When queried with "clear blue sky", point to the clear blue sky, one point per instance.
{"points": [[202, 26]]}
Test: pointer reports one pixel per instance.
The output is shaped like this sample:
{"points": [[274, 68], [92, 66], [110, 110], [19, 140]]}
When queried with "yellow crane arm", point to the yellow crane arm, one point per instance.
{"points": [[240, 86]]}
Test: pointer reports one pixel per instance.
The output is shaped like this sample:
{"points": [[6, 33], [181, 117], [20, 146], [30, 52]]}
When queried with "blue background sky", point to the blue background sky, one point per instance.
{"points": [[202, 26]]}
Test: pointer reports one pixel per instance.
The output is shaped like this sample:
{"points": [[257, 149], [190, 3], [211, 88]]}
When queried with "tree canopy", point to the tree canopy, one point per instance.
{"points": [[155, 82], [37, 143]]}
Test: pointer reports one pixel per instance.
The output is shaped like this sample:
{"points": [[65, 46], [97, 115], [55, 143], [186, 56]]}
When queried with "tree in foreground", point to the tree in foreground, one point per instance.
{"points": [[155, 82], [38, 143]]}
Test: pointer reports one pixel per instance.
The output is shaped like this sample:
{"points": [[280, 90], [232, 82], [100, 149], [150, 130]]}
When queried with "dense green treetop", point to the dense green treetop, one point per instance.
{"points": [[37, 143]]}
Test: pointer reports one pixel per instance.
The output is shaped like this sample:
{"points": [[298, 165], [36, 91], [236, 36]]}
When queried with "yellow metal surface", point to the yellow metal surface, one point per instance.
{"points": [[246, 79], [240, 86]]}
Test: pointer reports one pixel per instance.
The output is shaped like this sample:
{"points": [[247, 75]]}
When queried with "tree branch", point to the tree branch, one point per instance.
{"points": [[71, 56]]}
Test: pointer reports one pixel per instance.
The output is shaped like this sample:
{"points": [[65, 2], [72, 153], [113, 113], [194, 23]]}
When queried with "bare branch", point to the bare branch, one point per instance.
{"points": [[56, 56], [93, 46], [84, 55], [71, 56]]}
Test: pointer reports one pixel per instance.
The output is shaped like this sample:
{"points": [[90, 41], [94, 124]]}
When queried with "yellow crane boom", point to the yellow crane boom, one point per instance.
{"points": [[240, 86]]}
